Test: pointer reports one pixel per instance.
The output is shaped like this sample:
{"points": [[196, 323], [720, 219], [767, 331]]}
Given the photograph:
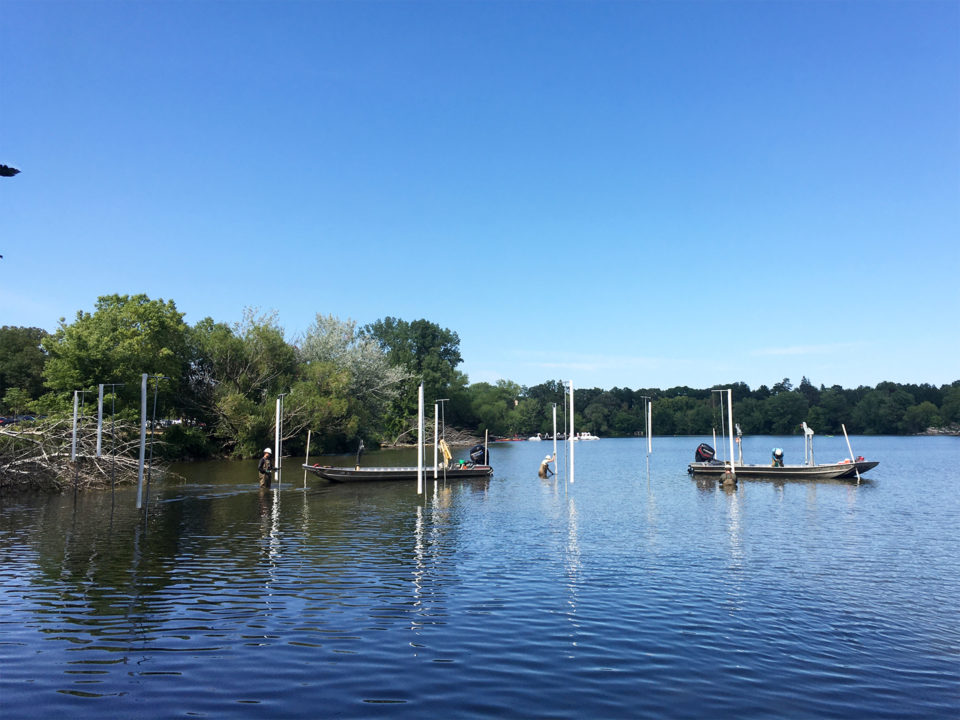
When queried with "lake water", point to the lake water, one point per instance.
{"points": [[625, 594]]}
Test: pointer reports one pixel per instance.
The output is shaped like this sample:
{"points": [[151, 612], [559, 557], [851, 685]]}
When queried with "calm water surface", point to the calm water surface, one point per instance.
{"points": [[627, 594]]}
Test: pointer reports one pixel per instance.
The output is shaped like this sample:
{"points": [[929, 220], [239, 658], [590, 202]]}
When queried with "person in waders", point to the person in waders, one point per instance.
{"points": [[265, 468], [545, 470]]}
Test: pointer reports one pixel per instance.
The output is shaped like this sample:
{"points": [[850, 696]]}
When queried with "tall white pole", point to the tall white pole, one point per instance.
{"points": [[276, 441], [649, 426], [436, 437], [306, 460], [573, 434], [99, 417], [420, 440], [730, 428], [73, 442], [143, 438], [556, 464]]}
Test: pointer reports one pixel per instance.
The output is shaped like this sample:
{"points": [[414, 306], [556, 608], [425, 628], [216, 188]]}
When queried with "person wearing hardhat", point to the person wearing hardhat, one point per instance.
{"points": [[777, 457], [265, 468], [545, 470]]}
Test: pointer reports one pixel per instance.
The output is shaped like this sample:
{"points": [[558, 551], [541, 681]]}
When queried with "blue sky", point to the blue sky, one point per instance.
{"points": [[632, 194]]}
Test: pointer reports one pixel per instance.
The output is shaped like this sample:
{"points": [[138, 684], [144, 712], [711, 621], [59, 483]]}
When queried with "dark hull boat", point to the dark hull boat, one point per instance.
{"points": [[346, 474], [830, 471]]}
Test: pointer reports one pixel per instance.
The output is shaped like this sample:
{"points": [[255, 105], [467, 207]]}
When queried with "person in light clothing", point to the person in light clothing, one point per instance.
{"points": [[545, 470]]}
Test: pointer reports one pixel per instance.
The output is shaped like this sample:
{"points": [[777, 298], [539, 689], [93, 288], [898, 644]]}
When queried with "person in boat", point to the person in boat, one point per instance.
{"points": [[777, 457], [545, 470], [265, 468]]}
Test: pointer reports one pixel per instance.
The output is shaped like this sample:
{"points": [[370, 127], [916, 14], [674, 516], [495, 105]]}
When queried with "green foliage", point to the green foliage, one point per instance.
{"points": [[236, 374], [124, 337], [426, 353], [22, 359]]}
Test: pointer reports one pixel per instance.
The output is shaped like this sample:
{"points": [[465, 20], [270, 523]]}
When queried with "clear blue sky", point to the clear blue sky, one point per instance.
{"points": [[633, 194]]}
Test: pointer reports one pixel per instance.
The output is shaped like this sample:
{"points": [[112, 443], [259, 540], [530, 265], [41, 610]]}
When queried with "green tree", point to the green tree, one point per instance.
{"points": [[22, 359], [124, 337], [950, 409], [349, 365], [236, 374], [918, 418], [429, 354]]}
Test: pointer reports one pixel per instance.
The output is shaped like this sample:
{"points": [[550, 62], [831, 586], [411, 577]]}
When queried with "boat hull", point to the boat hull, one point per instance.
{"points": [[370, 474], [830, 471]]}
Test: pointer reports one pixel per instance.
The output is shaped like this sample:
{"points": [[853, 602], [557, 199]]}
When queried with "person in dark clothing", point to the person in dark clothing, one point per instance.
{"points": [[265, 468]]}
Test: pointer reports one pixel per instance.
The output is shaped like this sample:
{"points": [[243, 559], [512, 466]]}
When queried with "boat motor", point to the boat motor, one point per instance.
{"points": [[478, 454], [704, 453]]}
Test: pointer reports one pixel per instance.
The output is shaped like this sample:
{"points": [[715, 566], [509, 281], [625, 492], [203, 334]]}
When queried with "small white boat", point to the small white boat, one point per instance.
{"points": [[536, 438], [585, 436]]}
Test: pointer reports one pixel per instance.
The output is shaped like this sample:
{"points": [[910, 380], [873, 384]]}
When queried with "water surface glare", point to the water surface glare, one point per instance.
{"points": [[626, 594]]}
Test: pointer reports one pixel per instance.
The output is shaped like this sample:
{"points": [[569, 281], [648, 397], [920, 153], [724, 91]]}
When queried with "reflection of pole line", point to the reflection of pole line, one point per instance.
{"points": [[418, 572]]}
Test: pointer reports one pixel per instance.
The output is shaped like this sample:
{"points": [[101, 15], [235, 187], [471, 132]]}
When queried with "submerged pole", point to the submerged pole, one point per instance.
{"points": [[99, 416], [555, 462], [143, 438], [73, 442], [733, 463], [306, 460], [420, 440], [573, 435]]}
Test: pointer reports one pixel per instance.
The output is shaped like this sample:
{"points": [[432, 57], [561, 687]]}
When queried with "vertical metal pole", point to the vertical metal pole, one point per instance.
{"points": [[99, 416], [436, 438], [649, 426], [276, 441], [153, 429], [143, 438], [573, 434], [555, 462], [306, 460], [73, 442], [420, 440], [730, 427]]}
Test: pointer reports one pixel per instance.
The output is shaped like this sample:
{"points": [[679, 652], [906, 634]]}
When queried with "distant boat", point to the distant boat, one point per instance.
{"points": [[706, 464], [585, 436], [535, 438]]}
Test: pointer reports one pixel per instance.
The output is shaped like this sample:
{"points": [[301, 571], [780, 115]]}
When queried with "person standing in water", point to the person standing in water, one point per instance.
{"points": [[265, 468], [545, 470]]}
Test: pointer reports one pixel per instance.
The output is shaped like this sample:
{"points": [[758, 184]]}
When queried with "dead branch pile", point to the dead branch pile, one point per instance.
{"points": [[454, 437], [35, 456]]}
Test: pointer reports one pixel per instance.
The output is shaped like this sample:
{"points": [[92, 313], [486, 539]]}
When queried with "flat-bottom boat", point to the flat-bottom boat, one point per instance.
{"points": [[829, 471], [348, 474]]}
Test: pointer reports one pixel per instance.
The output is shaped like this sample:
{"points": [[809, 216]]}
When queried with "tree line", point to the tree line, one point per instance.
{"points": [[216, 385]]}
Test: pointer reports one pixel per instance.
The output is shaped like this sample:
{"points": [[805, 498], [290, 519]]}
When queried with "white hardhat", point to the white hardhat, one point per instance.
{"points": [[549, 457], [267, 450]]}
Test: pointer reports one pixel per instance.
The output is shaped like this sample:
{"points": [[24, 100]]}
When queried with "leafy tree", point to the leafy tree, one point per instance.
{"points": [[428, 353], [22, 359], [346, 364], [16, 401], [918, 418], [124, 337], [236, 374], [950, 409]]}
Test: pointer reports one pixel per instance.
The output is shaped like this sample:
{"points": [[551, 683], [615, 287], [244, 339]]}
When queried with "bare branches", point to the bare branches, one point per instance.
{"points": [[36, 456]]}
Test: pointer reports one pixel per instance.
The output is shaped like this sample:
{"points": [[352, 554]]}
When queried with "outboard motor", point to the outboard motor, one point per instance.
{"points": [[704, 453], [478, 455]]}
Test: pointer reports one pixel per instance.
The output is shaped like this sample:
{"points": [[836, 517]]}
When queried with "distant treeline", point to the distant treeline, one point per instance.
{"points": [[887, 409], [217, 385]]}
